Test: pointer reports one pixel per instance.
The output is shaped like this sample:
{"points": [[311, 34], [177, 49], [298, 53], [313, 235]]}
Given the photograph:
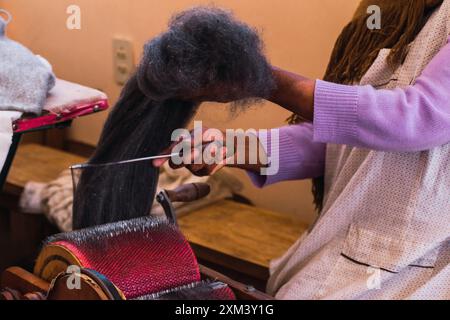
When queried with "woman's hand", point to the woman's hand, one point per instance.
{"points": [[213, 145], [294, 93]]}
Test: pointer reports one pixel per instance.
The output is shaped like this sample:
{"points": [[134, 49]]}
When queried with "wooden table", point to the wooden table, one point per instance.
{"points": [[239, 237], [38, 163], [21, 234]]}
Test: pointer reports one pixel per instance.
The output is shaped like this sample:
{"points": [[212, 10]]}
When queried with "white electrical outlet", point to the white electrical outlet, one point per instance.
{"points": [[123, 60]]}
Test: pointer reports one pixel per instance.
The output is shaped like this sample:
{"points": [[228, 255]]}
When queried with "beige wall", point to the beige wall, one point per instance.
{"points": [[299, 35]]}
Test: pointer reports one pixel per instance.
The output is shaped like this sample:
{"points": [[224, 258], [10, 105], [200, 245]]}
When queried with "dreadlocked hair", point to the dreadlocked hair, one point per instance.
{"points": [[357, 47]]}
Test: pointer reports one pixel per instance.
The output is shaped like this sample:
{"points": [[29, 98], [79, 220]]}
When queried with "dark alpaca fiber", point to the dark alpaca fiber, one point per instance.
{"points": [[204, 50]]}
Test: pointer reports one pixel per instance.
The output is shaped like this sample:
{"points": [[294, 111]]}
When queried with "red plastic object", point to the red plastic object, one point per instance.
{"points": [[50, 119]]}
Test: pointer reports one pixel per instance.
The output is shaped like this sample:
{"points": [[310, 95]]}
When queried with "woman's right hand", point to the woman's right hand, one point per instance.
{"points": [[210, 154]]}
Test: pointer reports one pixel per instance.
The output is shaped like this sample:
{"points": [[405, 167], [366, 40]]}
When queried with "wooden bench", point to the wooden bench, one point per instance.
{"points": [[235, 239]]}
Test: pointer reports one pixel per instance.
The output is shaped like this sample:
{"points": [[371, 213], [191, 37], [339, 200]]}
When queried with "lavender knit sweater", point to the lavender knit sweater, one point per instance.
{"points": [[405, 120]]}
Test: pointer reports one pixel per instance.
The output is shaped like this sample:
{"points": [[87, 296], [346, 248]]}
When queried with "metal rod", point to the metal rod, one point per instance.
{"points": [[93, 165], [9, 159]]}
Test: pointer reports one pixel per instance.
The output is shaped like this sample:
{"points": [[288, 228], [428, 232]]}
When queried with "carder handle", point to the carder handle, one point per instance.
{"points": [[189, 192]]}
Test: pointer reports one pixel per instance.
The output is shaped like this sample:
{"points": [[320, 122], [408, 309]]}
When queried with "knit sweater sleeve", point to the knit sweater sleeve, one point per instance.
{"points": [[294, 156], [413, 119]]}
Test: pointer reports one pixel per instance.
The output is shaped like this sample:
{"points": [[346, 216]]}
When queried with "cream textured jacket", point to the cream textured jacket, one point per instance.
{"points": [[384, 232]]}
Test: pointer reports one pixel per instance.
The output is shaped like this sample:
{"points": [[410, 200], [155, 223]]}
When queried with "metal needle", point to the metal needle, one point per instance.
{"points": [[91, 165]]}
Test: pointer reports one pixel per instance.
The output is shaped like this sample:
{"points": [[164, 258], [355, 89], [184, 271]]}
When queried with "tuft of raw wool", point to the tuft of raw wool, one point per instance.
{"points": [[205, 53]]}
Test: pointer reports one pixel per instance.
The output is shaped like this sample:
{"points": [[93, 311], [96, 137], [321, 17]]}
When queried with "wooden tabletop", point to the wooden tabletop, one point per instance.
{"points": [[240, 237], [37, 163]]}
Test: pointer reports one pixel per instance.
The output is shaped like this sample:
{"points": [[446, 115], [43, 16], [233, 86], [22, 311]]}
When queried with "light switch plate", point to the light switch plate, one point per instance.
{"points": [[123, 60]]}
